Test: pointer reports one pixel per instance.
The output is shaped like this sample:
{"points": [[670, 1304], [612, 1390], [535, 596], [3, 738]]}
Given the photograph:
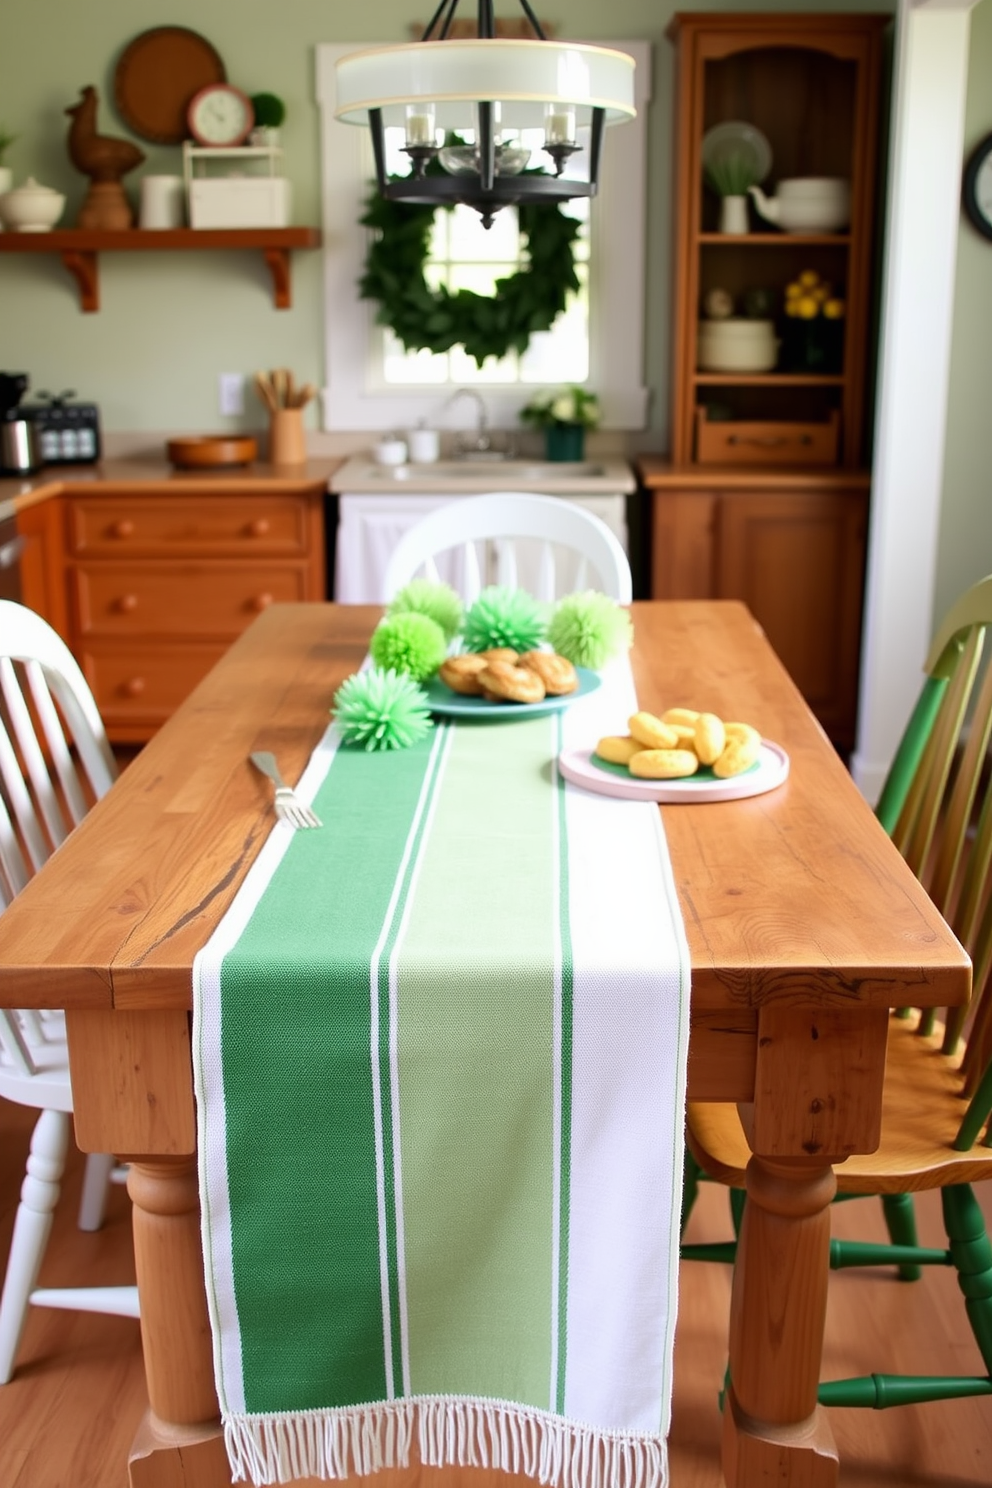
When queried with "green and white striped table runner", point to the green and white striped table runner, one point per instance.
{"points": [[440, 1054]]}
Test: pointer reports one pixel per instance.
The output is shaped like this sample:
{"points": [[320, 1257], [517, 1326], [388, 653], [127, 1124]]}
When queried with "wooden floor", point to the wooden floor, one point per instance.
{"points": [[68, 1415]]}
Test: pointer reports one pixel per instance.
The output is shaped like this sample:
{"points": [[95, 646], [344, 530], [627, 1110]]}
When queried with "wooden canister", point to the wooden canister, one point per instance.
{"points": [[287, 438]]}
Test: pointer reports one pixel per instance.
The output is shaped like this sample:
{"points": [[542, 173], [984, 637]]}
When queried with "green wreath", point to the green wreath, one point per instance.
{"points": [[486, 325]]}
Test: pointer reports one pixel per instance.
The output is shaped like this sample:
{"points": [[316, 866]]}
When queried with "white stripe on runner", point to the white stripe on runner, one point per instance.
{"points": [[624, 1039], [437, 745], [215, 1225], [446, 739]]}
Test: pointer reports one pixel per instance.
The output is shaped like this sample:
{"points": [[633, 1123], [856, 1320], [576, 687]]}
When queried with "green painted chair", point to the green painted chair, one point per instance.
{"points": [[937, 805]]}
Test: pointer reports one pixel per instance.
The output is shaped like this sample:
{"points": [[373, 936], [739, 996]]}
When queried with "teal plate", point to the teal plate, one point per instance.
{"points": [[448, 704]]}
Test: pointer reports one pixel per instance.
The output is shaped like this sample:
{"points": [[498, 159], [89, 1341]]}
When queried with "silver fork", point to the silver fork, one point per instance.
{"points": [[289, 807]]}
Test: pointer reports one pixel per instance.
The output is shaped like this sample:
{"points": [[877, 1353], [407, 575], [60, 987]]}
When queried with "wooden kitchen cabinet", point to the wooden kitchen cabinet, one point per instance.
{"points": [[792, 547], [161, 578], [765, 496]]}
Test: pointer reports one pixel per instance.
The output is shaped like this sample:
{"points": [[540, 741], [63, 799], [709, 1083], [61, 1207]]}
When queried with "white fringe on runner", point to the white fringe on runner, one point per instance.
{"points": [[356, 1441]]}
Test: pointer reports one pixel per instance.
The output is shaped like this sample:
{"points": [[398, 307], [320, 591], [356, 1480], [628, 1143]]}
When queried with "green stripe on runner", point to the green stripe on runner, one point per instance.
{"points": [[298, 1081], [476, 1015], [390, 1240]]}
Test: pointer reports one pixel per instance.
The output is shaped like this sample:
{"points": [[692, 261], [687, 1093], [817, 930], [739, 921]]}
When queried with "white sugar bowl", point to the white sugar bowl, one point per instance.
{"points": [[31, 207]]}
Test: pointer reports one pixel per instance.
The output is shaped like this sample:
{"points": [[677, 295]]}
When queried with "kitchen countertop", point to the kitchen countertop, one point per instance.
{"points": [[360, 475], [156, 476]]}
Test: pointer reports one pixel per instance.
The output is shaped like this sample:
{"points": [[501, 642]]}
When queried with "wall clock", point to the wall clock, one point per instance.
{"points": [[977, 187], [220, 115], [156, 76]]}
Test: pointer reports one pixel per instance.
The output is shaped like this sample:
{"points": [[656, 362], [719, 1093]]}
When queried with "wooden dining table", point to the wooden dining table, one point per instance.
{"points": [[804, 925]]}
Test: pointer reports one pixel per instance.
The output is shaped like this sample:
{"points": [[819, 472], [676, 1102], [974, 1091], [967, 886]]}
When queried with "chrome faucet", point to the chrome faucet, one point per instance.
{"points": [[481, 444]]}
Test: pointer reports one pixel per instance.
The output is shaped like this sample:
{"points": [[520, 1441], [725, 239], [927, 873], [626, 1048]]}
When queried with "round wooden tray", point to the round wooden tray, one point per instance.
{"points": [[156, 76], [204, 451]]}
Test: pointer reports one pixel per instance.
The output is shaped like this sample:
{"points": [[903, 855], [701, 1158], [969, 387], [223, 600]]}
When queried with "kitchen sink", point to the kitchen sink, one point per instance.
{"points": [[498, 471], [471, 477]]}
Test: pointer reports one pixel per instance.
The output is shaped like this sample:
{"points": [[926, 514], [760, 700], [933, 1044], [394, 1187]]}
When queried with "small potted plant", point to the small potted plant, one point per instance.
{"points": [[269, 111], [564, 414]]}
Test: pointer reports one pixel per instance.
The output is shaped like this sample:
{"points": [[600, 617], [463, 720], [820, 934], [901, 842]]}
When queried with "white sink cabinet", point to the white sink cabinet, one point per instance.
{"points": [[377, 505]]}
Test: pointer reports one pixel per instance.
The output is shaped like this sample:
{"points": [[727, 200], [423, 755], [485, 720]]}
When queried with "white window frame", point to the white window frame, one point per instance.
{"points": [[616, 287]]}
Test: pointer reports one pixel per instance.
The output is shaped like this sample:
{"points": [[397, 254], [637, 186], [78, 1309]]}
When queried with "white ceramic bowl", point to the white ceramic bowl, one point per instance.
{"points": [[31, 208], [737, 345]]}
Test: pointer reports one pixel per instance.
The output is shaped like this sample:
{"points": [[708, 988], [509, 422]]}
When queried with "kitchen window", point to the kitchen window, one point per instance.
{"points": [[373, 383], [465, 255]]}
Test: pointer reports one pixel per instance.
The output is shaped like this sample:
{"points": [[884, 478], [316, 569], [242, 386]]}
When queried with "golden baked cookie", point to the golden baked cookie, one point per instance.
{"points": [[461, 674], [556, 672], [651, 733], [617, 749], [502, 682], [499, 653], [663, 764]]}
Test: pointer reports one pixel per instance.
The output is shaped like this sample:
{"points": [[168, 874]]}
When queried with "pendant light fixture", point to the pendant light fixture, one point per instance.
{"points": [[491, 89]]}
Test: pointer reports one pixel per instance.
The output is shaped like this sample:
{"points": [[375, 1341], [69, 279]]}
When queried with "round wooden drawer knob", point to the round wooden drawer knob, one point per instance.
{"points": [[134, 686], [260, 602], [259, 528], [127, 603], [124, 528]]}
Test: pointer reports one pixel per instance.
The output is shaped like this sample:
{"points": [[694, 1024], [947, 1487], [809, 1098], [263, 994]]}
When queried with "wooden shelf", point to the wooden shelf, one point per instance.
{"points": [[769, 379], [773, 239], [79, 250]]}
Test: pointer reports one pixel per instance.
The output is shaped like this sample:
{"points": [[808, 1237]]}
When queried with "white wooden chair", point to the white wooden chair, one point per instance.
{"points": [[55, 762], [547, 523]]}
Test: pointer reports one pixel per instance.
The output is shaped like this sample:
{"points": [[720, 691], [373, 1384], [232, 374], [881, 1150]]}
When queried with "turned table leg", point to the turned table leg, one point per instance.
{"points": [[133, 1096], [817, 1099], [773, 1429]]}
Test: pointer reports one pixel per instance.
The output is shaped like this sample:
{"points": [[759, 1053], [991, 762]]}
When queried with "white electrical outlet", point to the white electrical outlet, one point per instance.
{"points": [[232, 394]]}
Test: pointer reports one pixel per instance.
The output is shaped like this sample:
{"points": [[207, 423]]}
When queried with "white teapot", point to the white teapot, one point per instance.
{"points": [[806, 204]]}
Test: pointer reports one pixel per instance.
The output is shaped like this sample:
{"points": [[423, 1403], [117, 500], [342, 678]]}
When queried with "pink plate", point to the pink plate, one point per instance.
{"points": [[770, 770]]}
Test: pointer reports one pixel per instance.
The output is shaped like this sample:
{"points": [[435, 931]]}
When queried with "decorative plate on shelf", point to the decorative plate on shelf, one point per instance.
{"points": [[770, 770], [441, 700], [157, 75], [736, 149]]}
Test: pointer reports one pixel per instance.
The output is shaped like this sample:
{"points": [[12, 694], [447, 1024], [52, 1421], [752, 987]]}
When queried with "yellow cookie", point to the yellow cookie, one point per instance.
{"points": [[739, 755], [651, 733], [741, 731], [663, 764], [685, 717], [709, 738], [617, 749]]}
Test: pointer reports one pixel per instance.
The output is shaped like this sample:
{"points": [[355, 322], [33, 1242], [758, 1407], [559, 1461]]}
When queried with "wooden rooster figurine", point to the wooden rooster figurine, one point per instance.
{"points": [[105, 161]]}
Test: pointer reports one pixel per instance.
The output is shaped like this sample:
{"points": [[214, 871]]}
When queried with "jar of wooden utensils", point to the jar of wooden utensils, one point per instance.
{"points": [[285, 401]]}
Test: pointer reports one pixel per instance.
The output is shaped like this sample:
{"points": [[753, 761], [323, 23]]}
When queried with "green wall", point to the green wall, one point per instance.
{"points": [[170, 323], [964, 552]]}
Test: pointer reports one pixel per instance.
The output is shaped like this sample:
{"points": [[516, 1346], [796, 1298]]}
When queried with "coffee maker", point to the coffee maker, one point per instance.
{"points": [[20, 452]]}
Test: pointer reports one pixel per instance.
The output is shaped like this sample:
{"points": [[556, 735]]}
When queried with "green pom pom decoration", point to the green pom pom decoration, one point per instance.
{"points": [[438, 602], [505, 617], [381, 710], [409, 643], [589, 628]]}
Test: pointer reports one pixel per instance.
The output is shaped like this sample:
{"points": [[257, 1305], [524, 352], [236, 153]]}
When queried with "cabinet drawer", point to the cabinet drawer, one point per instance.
{"points": [[196, 524], [165, 600], [765, 442], [138, 686]]}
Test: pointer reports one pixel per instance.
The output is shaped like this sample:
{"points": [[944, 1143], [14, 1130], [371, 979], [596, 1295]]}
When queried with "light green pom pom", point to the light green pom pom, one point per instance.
{"points": [[381, 710], [409, 643], [505, 617], [438, 601], [589, 629]]}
